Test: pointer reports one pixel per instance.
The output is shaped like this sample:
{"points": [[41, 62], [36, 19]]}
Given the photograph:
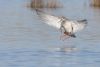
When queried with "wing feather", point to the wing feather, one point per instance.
{"points": [[56, 22], [49, 19], [79, 25]]}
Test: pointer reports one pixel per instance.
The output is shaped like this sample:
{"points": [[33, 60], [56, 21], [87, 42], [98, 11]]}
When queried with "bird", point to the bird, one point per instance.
{"points": [[67, 27]]}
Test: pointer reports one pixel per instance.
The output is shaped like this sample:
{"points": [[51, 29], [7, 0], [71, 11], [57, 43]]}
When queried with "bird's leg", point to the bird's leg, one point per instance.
{"points": [[64, 36], [61, 29]]}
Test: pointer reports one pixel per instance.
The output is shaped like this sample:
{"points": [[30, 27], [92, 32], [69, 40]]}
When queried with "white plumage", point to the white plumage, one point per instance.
{"points": [[69, 26], [50, 19]]}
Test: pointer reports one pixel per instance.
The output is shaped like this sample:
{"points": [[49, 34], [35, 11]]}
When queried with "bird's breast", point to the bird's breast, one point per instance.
{"points": [[68, 27]]}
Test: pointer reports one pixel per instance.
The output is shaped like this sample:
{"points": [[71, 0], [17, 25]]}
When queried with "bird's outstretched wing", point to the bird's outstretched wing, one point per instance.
{"points": [[49, 19], [79, 25]]}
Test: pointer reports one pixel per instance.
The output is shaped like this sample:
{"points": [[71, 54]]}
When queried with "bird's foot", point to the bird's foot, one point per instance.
{"points": [[64, 37]]}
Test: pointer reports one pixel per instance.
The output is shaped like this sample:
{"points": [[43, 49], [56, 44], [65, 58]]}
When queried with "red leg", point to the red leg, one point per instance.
{"points": [[64, 36]]}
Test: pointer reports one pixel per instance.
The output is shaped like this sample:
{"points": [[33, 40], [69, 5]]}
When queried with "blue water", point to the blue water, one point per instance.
{"points": [[27, 42]]}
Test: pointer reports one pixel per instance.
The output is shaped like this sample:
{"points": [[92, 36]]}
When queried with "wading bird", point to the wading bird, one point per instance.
{"points": [[67, 27]]}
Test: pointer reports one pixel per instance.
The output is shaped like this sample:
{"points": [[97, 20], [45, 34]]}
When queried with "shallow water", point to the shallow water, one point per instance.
{"points": [[27, 42]]}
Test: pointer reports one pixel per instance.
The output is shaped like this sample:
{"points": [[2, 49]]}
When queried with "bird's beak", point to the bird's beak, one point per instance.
{"points": [[73, 35]]}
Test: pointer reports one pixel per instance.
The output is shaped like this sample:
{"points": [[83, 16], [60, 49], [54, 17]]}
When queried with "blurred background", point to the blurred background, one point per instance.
{"points": [[96, 3], [25, 41], [45, 4]]}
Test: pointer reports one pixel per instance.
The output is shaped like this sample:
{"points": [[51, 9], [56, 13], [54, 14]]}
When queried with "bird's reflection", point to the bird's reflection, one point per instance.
{"points": [[58, 58]]}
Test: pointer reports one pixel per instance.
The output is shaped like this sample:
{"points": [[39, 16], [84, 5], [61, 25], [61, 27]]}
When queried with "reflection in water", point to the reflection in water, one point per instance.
{"points": [[43, 58], [64, 48]]}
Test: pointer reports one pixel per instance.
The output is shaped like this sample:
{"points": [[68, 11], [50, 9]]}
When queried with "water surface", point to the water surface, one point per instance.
{"points": [[27, 42]]}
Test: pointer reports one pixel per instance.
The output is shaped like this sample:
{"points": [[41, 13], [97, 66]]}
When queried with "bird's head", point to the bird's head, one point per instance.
{"points": [[73, 35]]}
